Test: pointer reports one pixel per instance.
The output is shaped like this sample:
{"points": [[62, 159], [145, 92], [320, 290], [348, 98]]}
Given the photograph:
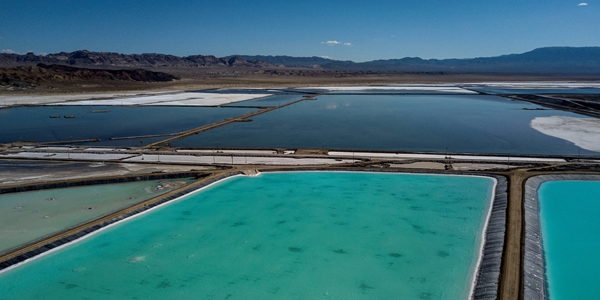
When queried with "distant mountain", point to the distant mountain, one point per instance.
{"points": [[289, 61], [557, 60], [550, 60], [86, 58], [26, 77]]}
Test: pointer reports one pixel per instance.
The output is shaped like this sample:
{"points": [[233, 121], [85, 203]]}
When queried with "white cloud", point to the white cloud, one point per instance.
{"points": [[331, 43], [325, 56], [8, 51], [334, 42], [582, 4]]}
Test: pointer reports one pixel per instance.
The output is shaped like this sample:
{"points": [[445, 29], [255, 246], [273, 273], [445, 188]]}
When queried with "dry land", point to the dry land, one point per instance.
{"points": [[28, 165], [214, 78]]}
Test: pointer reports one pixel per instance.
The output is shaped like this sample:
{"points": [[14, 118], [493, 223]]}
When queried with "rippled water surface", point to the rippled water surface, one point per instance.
{"points": [[459, 123], [569, 213], [301, 235], [34, 124]]}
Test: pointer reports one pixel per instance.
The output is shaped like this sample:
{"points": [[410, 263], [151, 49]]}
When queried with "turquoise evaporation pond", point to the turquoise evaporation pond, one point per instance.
{"points": [[29, 216], [569, 213], [34, 123], [300, 235], [460, 123]]}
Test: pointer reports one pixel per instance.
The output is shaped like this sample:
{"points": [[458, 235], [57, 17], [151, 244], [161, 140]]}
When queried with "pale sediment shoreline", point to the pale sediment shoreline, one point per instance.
{"points": [[535, 284], [583, 132]]}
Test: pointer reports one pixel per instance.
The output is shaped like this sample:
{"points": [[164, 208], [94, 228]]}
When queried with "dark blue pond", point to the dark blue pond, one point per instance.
{"points": [[462, 123], [36, 124]]}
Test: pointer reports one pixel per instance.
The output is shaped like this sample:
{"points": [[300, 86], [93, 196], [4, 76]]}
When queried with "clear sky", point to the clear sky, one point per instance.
{"points": [[344, 30]]}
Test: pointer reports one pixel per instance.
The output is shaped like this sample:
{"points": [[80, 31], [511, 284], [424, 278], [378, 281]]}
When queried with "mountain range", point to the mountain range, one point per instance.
{"points": [[549, 60], [85, 58], [28, 77], [559, 60]]}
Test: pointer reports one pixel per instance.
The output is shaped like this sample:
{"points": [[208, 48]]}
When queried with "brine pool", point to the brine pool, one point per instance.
{"points": [[291, 235], [569, 223]]}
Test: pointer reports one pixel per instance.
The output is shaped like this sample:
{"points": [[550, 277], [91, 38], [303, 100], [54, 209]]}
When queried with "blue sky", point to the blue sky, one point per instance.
{"points": [[344, 30]]}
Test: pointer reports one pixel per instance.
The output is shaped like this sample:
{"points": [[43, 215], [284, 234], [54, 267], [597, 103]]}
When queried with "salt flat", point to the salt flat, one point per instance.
{"points": [[459, 166], [178, 99], [105, 149], [54, 148], [434, 88], [53, 99], [536, 84], [252, 152], [439, 156], [185, 159], [583, 132], [238, 160], [63, 155]]}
